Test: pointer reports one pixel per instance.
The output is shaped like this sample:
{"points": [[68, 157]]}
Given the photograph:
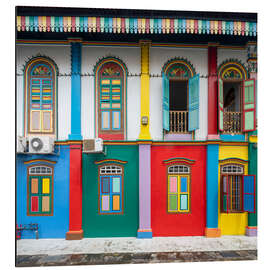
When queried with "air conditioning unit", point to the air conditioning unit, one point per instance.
{"points": [[21, 144], [93, 145], [41, 144]]}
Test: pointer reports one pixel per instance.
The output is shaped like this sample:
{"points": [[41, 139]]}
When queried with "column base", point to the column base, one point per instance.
{"points": [[147, 233], [212, 232], [251, 231], [74, 235]]}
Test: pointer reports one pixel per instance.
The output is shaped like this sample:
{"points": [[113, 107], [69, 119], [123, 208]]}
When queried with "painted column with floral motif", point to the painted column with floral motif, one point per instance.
{"points": [[251, 229]]}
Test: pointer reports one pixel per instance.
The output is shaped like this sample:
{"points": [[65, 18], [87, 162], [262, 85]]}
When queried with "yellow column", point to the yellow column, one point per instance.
{"points": [[145, 91]]}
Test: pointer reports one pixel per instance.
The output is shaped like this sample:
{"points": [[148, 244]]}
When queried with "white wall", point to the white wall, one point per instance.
{"points": [[226, 54], [61, 56], [158, 57], [131, 57]]}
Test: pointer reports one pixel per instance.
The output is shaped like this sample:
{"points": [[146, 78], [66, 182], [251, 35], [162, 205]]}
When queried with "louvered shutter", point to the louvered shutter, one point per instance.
{"points": [[193, 105], [165, 105], [249, 106], [249, 193], [220, 105]]}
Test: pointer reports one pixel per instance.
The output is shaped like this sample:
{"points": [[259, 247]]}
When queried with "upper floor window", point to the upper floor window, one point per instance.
{"points": [[110, 103], [236, 99], [180, 97], [40, 191], [178, 188], [40, 98]]}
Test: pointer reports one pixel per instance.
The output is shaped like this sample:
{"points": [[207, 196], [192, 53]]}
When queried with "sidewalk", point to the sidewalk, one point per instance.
{"points": [[132, 250]]}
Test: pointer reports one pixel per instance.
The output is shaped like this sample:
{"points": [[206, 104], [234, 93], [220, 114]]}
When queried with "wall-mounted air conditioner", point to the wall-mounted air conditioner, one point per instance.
{"points": [[93, 145], [21, 144], [41, 144]]}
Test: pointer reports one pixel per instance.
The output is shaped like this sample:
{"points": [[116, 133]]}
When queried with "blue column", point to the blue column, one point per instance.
{"points": [[212, 191], [76, 51]]}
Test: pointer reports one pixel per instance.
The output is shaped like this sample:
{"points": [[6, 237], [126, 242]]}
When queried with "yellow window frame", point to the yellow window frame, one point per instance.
{"points": [[179, 192]]}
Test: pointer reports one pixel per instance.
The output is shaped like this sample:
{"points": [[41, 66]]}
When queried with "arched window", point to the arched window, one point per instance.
{"points": [[180, 97], [236, 98], [178, 188], [40, 190], [40, 97], [111, 189], [111, 76]]}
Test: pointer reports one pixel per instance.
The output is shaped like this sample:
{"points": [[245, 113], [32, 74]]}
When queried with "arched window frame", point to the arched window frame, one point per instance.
{"points": [[244, 119], [47, 110], [40, 185], [178, 186], [110, 129], [107, 192], [181, 121]]}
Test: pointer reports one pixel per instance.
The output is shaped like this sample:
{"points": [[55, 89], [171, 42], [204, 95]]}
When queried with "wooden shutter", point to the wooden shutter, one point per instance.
{"points": [[220, 104], [193, 105], [249, 106], [35, 123], [249, 190], [46, 121], [166, 99]]}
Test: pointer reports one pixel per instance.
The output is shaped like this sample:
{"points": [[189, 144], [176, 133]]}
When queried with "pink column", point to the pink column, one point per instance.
{"points": [[144, 230]]}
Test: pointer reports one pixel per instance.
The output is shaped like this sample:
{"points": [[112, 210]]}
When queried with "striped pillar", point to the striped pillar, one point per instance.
{"points": [[76, 49], [145, 91], [212, 229], [144, 230], [251, 229]]}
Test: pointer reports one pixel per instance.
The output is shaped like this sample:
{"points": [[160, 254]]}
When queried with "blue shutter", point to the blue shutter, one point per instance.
{"points": [[249, 193], [193, 106], [165, 105]]}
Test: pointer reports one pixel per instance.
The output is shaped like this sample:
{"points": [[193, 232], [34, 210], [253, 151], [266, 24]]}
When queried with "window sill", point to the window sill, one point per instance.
{"points": [[233, 137], [178, 137]]}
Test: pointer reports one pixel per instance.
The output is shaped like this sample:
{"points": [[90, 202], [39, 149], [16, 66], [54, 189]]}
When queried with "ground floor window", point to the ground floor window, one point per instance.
{"points": [[40, 191], [110, 189], [178, 189], [232, 188]]}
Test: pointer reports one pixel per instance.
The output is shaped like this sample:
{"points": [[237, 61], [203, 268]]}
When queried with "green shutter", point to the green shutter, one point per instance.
{"points": [[166, 93], [220, 104], [193, 106], [249, 106]]}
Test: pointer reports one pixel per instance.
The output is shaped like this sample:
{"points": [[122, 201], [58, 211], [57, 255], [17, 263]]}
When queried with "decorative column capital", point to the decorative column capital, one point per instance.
{"points": [[252, 56], [145, 45]]}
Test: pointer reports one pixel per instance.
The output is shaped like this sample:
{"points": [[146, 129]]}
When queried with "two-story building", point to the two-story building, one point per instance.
{"points": [[136, 123]]}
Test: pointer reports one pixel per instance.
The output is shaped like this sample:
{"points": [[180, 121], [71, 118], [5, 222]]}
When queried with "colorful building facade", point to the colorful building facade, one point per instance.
{"points": [[172, 99]]}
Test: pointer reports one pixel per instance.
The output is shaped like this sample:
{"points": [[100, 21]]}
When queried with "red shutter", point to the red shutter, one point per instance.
{"points": [[249, 105]]}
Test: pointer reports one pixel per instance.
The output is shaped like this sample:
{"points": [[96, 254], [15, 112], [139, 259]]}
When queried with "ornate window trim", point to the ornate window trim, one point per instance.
{"points": [[232, 69], [45, 78], [40, 191], [178, 68]]}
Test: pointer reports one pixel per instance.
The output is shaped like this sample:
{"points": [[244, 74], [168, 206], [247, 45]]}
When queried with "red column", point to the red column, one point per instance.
{"points": [[75, 193], [212, 93]]}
